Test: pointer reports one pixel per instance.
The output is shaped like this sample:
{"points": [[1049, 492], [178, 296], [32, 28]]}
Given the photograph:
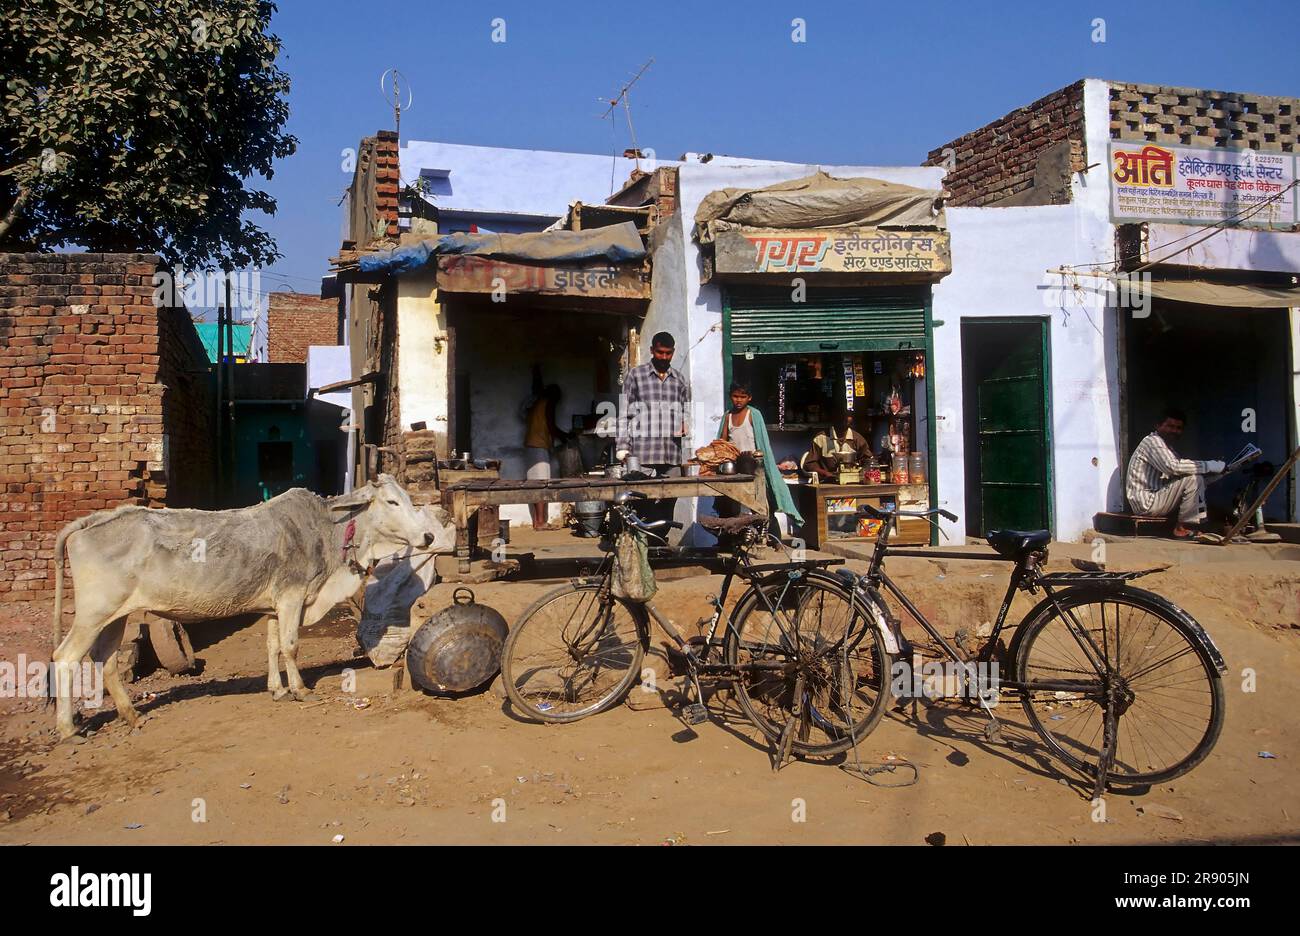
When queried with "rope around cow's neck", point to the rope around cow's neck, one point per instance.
{"points": [[351, 548]]}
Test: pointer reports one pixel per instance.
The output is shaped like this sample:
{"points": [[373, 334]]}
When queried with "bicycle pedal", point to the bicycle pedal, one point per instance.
{"points": [[695, 713], [784, 745]]}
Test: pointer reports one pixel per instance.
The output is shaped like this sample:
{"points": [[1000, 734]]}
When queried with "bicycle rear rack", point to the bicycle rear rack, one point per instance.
{"points": [[1093, 578]]}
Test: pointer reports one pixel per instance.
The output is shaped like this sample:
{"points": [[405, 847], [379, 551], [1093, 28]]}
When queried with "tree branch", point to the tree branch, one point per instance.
{"points": [[16, 209]]}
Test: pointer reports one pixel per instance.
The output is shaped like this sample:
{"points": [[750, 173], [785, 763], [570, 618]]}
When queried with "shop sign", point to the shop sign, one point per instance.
{"points": [[469, 274], [831, 250], [1150, 182]]}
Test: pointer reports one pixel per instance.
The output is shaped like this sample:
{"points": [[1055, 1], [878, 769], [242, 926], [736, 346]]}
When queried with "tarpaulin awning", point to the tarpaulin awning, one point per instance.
{"points": [[617, 243], [820, 201], [1203, 292]]}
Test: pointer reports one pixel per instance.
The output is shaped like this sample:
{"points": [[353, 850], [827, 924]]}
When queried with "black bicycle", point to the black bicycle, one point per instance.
{"points": [[806, 670], [1122, 685]]}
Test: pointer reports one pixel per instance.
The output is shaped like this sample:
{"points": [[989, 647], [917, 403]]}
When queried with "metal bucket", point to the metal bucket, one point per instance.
{"points": [[589, 515], [459, 648]]}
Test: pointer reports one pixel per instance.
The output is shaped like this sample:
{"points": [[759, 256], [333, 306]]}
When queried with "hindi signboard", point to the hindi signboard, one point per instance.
{"points": [[469, 274], [832, 250], [1155, 182]]}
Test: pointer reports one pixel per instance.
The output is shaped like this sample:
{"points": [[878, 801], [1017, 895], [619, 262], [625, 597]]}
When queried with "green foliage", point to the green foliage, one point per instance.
{"points": [[134, 125]]}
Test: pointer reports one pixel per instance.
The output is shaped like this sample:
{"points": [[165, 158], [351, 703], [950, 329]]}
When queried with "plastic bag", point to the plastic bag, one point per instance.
{"points": [[633, 579]]}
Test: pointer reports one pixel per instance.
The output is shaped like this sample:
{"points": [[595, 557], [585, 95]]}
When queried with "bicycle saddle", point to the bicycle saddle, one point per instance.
{"points": [[1016, 543], [733, 524]]}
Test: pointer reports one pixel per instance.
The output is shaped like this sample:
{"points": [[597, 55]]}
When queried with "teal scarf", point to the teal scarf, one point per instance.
{"points": [[777, 488]]}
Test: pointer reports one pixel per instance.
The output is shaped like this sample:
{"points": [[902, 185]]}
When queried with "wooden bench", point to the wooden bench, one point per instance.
{"points": [[1123, 524]]}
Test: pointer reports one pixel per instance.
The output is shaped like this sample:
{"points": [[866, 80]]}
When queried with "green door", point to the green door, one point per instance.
{"points": [[1005, 373]]}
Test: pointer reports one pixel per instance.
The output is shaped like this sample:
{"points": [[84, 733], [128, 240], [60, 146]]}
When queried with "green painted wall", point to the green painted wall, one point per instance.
{"points": [[256, 423]]}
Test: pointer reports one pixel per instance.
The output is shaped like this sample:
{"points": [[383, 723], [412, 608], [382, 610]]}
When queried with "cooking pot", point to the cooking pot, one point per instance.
{"points": [[459, 648]]}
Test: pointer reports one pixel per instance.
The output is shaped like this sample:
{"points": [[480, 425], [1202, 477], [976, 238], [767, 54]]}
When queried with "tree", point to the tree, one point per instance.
{"points": [[132, 125]]}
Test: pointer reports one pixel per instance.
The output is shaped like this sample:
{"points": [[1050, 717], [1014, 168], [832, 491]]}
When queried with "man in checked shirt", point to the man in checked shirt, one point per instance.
{"points": [[1159, 482], [655, 418]]}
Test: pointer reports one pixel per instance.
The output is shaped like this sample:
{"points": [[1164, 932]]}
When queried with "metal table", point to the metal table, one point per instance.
{"points": [[464, 498]]}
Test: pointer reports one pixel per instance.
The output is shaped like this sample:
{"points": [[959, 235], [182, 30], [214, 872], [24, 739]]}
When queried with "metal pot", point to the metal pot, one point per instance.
{"points": [[589, 515], [459, 648], [727, 468]]}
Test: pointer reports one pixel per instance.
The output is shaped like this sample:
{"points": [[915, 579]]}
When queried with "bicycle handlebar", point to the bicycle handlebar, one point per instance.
{"points": [[876, 513]]}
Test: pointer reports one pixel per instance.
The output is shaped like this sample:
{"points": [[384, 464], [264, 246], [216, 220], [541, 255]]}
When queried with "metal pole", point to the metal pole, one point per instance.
{"points": [[220, 450], [230, 377]]}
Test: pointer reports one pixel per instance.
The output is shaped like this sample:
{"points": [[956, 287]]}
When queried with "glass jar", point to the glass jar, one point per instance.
{"points": [[898, 469], [916, 468]]}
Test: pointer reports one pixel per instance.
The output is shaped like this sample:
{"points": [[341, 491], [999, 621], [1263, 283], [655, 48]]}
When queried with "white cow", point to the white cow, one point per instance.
{"points": [[295, 557]]}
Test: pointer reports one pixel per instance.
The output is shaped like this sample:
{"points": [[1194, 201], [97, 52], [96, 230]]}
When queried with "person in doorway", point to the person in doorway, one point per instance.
{"points": [[744, 427], [1159, 483], [840, 442], [540, 436]]}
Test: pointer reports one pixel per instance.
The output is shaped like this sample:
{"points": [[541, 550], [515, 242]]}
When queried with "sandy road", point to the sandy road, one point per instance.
{"points": [[413, 768]]}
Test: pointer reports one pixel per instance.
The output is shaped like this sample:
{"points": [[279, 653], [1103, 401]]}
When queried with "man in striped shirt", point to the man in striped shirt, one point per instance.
{"points": [[1159, 483]]}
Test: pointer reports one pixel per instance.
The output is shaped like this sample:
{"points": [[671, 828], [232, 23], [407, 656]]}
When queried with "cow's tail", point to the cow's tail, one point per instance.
{"points": [[94, 519], [58, 582]]}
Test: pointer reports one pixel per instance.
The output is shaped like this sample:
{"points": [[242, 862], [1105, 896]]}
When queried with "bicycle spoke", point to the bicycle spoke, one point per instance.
{"points": [[573, 653], [1165, 696]]}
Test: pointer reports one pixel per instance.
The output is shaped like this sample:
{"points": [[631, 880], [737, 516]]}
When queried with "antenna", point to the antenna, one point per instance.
{"points": [[622, 98], [391, 90]]}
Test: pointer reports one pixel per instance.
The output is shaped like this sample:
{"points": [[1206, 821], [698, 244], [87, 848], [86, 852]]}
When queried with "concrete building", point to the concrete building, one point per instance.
{"points": [[748, 325], [1026, 381], [1047, 188], [460, 367], [442, 371]]}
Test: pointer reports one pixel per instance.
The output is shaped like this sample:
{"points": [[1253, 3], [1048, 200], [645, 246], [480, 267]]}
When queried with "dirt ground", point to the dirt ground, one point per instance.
{"points": [[385, 766]]}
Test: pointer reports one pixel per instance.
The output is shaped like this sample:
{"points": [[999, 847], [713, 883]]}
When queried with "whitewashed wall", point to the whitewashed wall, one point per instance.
{"points": [[692, 310]]}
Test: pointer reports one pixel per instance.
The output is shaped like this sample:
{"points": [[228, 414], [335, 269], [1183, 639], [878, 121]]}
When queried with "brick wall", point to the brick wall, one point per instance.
{"points": [[1024, 157], [388, 179], [296, 321], [1197, 117], [1021, 158], [101, 394], [658, 188]]}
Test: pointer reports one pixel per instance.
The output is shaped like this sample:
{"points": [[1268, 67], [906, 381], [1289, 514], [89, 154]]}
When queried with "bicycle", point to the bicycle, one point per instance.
{"points": [[808, 674], [1132, 701]]}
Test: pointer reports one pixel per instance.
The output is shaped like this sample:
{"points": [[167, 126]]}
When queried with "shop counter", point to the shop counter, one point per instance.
{"points": [[830, 512]]}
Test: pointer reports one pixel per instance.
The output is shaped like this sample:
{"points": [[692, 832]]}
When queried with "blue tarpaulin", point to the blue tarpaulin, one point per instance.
{"points": [[618, 243]]}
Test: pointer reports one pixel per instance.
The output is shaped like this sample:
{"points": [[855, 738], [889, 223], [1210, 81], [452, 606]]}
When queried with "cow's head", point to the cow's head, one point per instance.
{"points": [[387, 521]]}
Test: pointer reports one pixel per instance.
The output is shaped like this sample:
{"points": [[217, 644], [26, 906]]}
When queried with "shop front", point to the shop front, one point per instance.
{"points": [[1221, 351], [830, 327], [843, 357]]}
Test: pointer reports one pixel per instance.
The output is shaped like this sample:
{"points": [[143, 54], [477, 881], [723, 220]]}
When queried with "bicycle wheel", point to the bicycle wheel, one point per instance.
{"points": [[575, 652], [830, 659], [1167, 685]]}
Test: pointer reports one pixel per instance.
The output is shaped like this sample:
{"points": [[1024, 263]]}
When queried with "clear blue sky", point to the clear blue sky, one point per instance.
{"points": [[875, 83]]}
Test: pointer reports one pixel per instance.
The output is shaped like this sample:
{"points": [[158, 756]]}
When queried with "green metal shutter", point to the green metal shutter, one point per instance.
{"points": [[767, 321]]}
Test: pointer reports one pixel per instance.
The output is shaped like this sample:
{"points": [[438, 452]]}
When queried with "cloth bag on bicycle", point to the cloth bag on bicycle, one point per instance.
{"points": [[633, 579]]}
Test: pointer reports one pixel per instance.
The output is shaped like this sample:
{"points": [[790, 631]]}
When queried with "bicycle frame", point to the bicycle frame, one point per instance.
{"points": [[754, 574], [1026, 575], [737, 564]]}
